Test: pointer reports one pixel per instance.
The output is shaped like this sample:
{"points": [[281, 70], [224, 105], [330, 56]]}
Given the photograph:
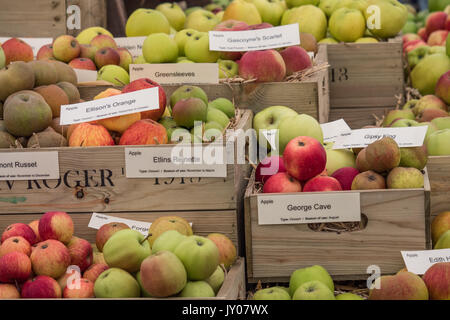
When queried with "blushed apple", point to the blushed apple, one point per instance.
{"points": [[106, 231], [8, 291], [56, 225], [227, 249], [345, 176], [50, 258], [21, 230], [437, 279], [102, 41], [41, 287], [296, 59], [66, 48], [268, 167], [83, 63], [45, 52], [322, 183], [84, 290], [80, 253], [14, 266], [13, 244], [282, 183], [264, 66], [94, 271]]}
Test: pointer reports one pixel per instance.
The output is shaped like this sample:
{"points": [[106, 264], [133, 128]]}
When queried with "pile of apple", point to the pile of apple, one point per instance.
{"points": [[45, 260], [440, 231]]}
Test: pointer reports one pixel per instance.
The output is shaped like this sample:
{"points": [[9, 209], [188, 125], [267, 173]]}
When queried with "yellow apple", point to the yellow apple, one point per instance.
{"points": [[310, 19], [242, 11], [347, 25]]}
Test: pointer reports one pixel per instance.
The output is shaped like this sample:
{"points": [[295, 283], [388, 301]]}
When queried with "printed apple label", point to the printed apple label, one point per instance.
{"points": [[361, 138], [274, 209], [334, 129], [29, 165], [132, 44], [253, 40], [35, 43], [181, 160], [85, 75], [419, 262], [122, 104], [177, 73]]}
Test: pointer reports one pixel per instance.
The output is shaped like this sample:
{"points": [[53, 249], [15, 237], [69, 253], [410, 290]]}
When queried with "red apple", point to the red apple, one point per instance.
{"points": [[429, 114], [414, 45], [83, 63], [409, 37], [322, 183], [35, 226], [106, 231], [345, 177], [443, 87], [89, 135], [45, 52], [17, 50], [17, 243], [231, 25], [264, 66], [8, 291], [268, 167], [106, 56], [447, 23], [82, 290], [438, 38], [80, 253], [87, 51], [304, 158], [296, 59], [15, 266], [41, 287], [436, 21], [94, 271], [50, 258], [103, 41], [21, 230], [422, 33], [282, 183], [146, 83], [227, 250], [56, 225], [144, 132], [437, 279]]}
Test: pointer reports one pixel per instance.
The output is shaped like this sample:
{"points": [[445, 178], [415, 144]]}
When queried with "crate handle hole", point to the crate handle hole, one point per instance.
{"points": [[340, 227]]}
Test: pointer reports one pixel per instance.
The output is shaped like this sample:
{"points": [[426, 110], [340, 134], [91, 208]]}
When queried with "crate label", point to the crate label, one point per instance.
{"points": [[419, 262], [29, 165], [177, 73], [252, 40], [35, 43], [181, 160], [361, 138], [133, 44], [308, 208], [122, 104], [334, 129], [84, 75], [98, 220]]}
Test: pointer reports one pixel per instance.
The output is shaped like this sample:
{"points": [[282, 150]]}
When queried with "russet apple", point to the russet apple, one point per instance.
{"points": [[322, 183], [41, 287], [227, 249], [45, 52], [368, 180], [15, 77], [308, 42], [50, 258], [282, 183], [17, 50], [144, 132], [383, 155], [106, 231], [345, 176], [143, 22], [437, 280], [80, 253], [94, 271], [402, 286], [85, 290], [440, 224], [66, 48], [56, 225], [90, 135], [116, 283], [13, 244], [21, 230], [296, 59], [14, 266]]}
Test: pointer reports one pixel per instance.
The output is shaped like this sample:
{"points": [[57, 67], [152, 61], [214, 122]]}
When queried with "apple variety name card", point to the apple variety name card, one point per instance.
{"points": [[122, 104], [133, 44], [85, 75], [334, 129], [252, 40], [98, 220], [308, 208], [181, 160], [29, 165], [177, 73], [419, 262], [35, 43], [361, 138]]}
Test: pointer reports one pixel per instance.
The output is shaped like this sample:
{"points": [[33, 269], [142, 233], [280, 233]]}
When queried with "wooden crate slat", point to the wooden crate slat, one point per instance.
{"points": [[439, 172], [357, 118]]}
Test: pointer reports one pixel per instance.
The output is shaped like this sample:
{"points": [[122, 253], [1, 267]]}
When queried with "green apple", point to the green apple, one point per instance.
{"points": [[186, 92], [212, 131], [447, 45], [409, 27], [242, 10], [160, 48], [348, 296], [274, 293], [168, 241], [185, 61], [328, 40], [228, 69], [392, 17], [224, 105], [181, 135], [360, 5], [126, 249], [437, 49], [188, 11], [216, 115], [271, 11], [398, 114], [116, 283], [337, 159], [431, 128], [216, 279], [438, 5], [173, 13], [140, 60], [443, 242], [347, 25], [416, 55], [170, 124], [182, 37], [426, 74], [301, 276], [298, 3], [144, 22], [328, 6], [441, 123], [310, 19], [367, 40], [114, 74], [197, 289], [144, 292], [313, 290], [438, 143], [402, 123], [200, 257], [299, 125], [2, 58], [201, 20], [197, 49], [86, 36]]}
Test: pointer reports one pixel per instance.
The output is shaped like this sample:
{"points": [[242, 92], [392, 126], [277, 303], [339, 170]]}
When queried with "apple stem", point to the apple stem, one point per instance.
{"points": [[118, 80], [145, 239]]}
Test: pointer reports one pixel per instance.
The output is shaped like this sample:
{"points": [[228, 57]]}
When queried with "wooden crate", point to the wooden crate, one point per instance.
{"points": [[439, 172], [396, 220], [48, 18], [364, 79], [310, 96]]}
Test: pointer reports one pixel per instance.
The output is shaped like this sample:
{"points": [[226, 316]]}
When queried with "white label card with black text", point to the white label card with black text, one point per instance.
{"points": [[29, 165], [252, 40], [84, 75], [122, 104], [361, 138], [181, 160], [98, 220], [35, 43], [177, 73], [419, 262], [133, 44], [334, 129], [308, 208]]}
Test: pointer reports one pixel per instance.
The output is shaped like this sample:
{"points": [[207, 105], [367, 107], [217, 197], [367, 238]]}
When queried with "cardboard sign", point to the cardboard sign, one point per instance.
{"points": [[133, 44], [308, 208], [252, 40], [35, 43], [29, 165], [419, 262], [85, 75], [332, 130], [177, 73], [122, 104]]}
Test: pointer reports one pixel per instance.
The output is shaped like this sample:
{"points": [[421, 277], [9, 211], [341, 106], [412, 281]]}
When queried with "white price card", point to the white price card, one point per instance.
{"points": [[308, 208], [29, 165], [181, 160], [252, 40], [133, 44], [35, 43], [361, 138], [419, 262], [334, 129], [84, 75], [177, 73], [122, 104], [98, 220]]}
